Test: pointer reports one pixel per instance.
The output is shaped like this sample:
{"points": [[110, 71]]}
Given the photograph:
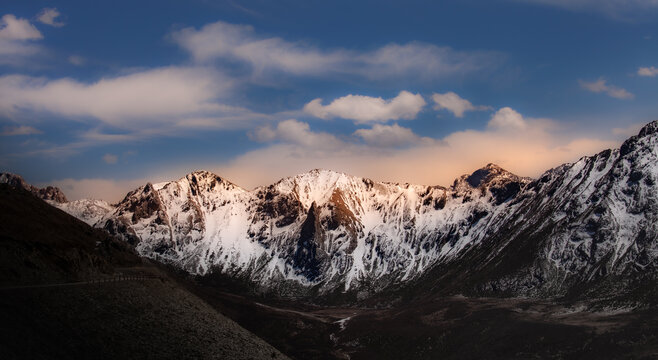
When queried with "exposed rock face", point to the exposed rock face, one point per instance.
{"points": [[48, 193]]}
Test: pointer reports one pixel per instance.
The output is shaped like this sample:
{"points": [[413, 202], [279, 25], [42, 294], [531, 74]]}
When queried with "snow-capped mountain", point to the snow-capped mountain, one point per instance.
{"points": [[491, 230], [578, 224], [575, 223], [319, 228]]}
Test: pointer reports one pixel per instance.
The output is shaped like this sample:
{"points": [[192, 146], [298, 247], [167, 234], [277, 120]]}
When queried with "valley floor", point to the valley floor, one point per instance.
{"points": [[446, 328]]}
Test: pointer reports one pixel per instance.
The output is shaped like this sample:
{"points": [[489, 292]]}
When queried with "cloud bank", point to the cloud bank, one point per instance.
{"points": [[526, 146], [160, 95]]}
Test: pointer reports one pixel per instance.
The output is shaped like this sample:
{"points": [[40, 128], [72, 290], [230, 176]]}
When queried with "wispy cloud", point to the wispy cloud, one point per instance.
{"points": [[601, 86], [650, 71], [455, 104], [77, 60], [19, 130], [364, 109], [48, 16], [224, 41], [110, 159], [160, 95], [625, 10], [391, 136]]}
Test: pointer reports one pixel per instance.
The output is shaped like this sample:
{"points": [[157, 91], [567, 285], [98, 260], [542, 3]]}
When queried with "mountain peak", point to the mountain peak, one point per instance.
{"points": [[487, 174], [47, 193], [648, 129], [207, 179], [13, 180], [643, 136], [315, 175], [318, 171], [202, 174]]}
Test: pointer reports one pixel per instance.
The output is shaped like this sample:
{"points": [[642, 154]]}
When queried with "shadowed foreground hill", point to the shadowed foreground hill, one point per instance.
{"points": [[150, 318], [42, 244]]}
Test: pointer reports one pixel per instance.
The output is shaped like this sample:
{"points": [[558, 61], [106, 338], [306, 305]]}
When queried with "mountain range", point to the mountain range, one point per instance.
{"points": [[583, 227]]}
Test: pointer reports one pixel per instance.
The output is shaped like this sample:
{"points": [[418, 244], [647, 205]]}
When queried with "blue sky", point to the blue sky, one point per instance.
{"points": [[99, 98]]}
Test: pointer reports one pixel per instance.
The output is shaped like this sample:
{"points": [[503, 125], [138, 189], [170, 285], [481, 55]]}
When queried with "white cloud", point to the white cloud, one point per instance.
{"points": [[110, 158], [20, 130], [527, 151], [12, 28], [507, 118], [600, 86], [422, 61], [161, 95], [223, 40], [48, 16], [391, 136], [364, 109], [226, 41], [454, 103], [648, 71], [297, 133], [296, 148], [17, 40]]}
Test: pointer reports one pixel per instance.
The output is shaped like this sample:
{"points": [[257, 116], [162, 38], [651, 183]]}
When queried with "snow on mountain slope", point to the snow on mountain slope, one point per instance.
{"points": [[580, 223], [327, 230], [321, 227], [88, 210]]}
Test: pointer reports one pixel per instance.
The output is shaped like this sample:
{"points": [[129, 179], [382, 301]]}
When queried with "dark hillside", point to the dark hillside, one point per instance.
{"points": [[42, 244], [53, 307]]}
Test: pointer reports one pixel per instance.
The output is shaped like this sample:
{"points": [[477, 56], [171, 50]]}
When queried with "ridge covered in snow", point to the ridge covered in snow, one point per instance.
{"points": [[318, 228]]}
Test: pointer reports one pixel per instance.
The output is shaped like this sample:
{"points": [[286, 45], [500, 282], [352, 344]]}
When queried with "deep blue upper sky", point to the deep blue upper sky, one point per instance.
{"points": [[100, 96]]}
